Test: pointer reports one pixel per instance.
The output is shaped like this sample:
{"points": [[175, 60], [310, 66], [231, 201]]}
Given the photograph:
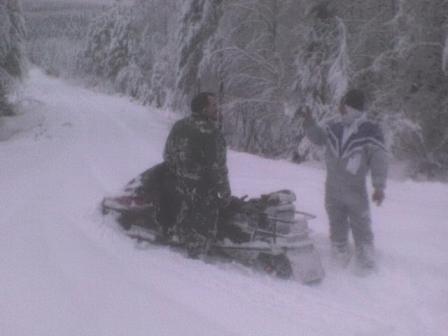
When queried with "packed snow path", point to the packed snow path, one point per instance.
{"points": [[67, 271]]}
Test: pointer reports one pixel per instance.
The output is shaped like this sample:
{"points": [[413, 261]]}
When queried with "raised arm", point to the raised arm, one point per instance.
{"points": [[378, 160], [313, 131]]}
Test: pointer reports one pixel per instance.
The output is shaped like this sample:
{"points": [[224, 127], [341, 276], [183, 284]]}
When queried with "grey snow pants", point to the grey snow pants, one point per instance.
{"points": [[349, 210]]}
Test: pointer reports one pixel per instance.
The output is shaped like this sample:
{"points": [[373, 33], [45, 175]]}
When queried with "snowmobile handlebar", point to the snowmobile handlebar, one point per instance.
{"points": [[306, 214]]}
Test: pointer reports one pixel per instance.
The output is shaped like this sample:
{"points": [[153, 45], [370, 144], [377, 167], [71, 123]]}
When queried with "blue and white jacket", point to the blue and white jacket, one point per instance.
{"points": [[352, 150]]}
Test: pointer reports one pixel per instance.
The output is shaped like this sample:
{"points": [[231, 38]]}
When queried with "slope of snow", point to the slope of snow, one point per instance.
{"points": [[66, 271]]}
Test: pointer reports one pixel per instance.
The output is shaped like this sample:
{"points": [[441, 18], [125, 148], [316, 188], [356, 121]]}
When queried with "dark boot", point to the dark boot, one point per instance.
{"points": [[196, 244]]}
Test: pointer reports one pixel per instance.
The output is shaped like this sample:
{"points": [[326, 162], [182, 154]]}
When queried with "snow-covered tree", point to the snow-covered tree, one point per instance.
{"points": [[56, 34], [200, 19], [249, 54], [12, 34], [111, 43], [405, 77], [270, 58], [161, 80], [249, 60], [322, 60], [131, 48], [157, 48]]}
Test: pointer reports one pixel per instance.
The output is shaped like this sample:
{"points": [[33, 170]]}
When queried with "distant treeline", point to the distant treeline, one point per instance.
{"points": [[267, 60]]}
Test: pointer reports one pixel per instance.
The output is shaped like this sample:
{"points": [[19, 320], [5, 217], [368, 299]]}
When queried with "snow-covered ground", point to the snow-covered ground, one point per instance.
{"points": [[66, 271]]}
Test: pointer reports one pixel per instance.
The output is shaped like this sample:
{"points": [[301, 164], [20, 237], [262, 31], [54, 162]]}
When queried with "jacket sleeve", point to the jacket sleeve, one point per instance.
{"points": [[181, 152], [173, 148], [314, 132], [167, 155], [215, 169], [378, 161]]}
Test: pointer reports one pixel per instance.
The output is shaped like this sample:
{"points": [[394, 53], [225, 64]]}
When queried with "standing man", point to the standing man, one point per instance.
{"points": [[195, 154], [354, 146]]}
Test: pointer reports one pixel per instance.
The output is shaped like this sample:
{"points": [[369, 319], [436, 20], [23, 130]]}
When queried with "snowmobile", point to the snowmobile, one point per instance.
{"points": [[265, 233]]}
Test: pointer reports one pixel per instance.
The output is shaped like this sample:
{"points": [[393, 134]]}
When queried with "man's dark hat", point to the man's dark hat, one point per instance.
{"points": [[199, 102], [355, 99]]}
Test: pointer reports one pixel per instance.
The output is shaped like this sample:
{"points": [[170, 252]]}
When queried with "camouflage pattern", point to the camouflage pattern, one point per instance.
{"points": [[195, 153]]}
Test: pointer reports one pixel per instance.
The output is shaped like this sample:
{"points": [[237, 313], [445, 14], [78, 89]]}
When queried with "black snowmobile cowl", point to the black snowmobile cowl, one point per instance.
{"points": [[266, 233]]}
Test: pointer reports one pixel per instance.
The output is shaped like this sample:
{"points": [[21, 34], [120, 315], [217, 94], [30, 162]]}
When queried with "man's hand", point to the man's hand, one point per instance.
{"points": [[236, 204], [378, 196], [305, 113]]}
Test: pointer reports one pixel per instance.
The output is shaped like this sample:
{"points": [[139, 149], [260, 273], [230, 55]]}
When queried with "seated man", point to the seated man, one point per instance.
{"points": [[195, 155]]}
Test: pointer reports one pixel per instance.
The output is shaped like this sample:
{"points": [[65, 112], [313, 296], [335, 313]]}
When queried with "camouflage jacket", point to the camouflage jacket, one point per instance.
{"points": [[195, 153]]}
